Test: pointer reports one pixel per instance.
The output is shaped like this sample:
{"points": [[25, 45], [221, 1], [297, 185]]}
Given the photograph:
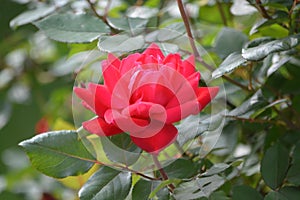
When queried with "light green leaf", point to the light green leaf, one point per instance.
{"points": [[216, 168], [131, 25], [245, 192], [120, 43], [233, 61], [171, 32], [259, 52], [58, 154], [31, 16], [274, 165], [106, 184], [72, 28]]}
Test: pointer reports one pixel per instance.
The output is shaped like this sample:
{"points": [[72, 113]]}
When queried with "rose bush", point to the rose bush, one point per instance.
{"points": [[143, 95]]}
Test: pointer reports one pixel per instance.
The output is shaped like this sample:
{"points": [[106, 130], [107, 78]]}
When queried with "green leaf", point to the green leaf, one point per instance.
{"points": [[275, 196], [259, 52], [229, 41], [131, 25], [291, 193], [142, 190], [201, 187], [171, 32], [233, 61], [182, 168], [249, 106], [58, 154], [293, 175], [72, 28], [246, 193], [216, 168], [120, 148], [218, 195], [120, 43], [31, 16], [274, 165], [106, 184]]}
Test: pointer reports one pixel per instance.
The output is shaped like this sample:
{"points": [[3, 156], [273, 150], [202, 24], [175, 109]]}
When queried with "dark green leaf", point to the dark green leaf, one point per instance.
{"points": [[106, 184], [72, 28], [201, 187], [233, 61], [142, 190], [120, 43], [274, 165], [291, 193], [218, 195], [31, 16], [246, 193], [182, 168], [249, 106], [58, 154], [259, 52], [293, 175], [229, 41], [120, 148], [275, 196]]}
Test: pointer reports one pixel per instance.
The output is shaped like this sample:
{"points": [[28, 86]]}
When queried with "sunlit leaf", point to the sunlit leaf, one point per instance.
{"points": [[261, 51], [232, 61], [58, 154]]}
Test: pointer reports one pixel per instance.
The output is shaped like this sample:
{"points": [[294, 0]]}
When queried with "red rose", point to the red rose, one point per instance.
{"points": [[143, 95]]}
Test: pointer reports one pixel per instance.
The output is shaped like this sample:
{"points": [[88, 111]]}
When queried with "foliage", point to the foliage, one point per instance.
{"points": [[255, 48]]}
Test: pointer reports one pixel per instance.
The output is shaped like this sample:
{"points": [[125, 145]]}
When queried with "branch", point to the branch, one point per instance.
{"points": [[262, 10], [162, 172]]}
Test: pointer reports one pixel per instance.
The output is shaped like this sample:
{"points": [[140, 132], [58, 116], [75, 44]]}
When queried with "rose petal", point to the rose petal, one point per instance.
{"points": [[86, 96], [157, 142], [99, 127], [205, 95], [173, 60], [188, 66], [155, 51], [111, 74], [129, 63], [181, 111], [154, 93]]}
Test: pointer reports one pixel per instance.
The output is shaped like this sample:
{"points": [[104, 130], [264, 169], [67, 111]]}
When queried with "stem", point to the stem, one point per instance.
{"points": [[162, 172], [262, 10], [236, 83], [194, 48], [222, 13], [188, 28]]}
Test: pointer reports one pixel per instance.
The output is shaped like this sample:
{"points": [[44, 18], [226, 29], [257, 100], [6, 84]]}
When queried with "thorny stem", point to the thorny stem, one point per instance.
{"points": [[162, 172]]}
